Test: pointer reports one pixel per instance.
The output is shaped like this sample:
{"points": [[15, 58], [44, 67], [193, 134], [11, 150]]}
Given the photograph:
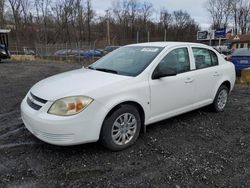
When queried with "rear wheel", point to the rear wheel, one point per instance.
{"points": [[221, 99], [121, 129]]}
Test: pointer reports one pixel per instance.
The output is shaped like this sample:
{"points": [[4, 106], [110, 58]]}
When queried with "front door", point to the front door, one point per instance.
{"points": [[174, 94]]}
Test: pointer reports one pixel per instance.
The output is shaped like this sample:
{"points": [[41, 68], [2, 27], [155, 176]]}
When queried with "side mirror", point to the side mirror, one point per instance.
{"points": [[163, 72]]}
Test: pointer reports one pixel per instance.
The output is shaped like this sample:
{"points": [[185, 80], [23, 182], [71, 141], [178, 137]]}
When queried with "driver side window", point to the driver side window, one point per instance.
{"points": [[177, 60]]}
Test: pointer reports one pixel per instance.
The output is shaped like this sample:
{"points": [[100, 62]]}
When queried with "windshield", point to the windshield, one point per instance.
{"points": [[242, 52], [129, 60]]}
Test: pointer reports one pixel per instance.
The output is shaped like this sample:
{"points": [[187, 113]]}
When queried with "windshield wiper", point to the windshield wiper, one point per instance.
{"points": [[106, 70], [103, 70]]}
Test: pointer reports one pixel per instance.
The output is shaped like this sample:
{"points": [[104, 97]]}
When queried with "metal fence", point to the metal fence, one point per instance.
{"points": [[61, 49], [67, 51]]}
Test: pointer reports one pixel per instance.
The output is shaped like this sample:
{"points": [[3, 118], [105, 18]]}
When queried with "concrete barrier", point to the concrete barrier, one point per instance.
{"points": [[245, 76], [23, 57]]}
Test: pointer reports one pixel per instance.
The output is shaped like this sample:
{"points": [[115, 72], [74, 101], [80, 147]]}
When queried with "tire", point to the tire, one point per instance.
{"points": [[220, 99], [121, 129]]}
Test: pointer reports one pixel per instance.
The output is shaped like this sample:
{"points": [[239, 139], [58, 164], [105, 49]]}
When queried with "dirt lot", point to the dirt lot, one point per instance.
{"points": [[197, 149]]}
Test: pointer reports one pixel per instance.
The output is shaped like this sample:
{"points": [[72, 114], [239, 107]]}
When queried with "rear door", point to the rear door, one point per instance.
{"points": [[207, 73]]}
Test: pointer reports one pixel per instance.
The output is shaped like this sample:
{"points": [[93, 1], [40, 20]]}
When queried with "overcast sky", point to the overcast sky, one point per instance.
{"points": [[194, 7]]}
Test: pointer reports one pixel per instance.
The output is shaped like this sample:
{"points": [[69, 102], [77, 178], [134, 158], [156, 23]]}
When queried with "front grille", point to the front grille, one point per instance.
{"points": [[38, 99], [33, 105], [35, 102]]}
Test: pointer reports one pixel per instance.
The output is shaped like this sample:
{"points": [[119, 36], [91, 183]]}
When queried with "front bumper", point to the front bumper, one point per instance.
{"points": [[64, 130]]}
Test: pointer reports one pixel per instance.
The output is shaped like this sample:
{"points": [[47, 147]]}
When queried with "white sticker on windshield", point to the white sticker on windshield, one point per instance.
{"points": [[149, 49]]}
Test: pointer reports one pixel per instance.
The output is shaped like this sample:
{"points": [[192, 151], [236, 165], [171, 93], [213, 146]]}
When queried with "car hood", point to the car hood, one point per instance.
{"points": [[78, 82]]}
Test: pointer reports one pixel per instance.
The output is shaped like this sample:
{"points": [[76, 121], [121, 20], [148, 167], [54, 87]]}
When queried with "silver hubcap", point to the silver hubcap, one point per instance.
{"points": [[124, 129], [222, 99]]}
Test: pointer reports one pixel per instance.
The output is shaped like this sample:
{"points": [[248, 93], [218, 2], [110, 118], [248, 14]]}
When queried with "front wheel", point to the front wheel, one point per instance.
{"points": [[121, 129], [221, 99]]}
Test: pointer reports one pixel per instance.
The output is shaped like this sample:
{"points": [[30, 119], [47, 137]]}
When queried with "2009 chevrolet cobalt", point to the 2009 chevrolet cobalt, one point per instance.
{"points": [[117, 96]]}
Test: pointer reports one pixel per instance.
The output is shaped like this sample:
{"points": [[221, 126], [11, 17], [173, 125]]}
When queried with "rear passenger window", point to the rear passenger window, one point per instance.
{"points": [[177, 59], [204, 58], [214, 58]]}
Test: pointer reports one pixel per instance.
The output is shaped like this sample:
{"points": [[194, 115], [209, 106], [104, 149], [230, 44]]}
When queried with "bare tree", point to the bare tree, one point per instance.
{"points": [[16, 11], [166, 18], [244, 16], [89, 15], [241, 16], [25, 7], [181, 19], [121, 14], [235, 15], [80, 19], [132, 11], [183, 25], [2, 3], [166, 21], [43, 10], [146, 10], [220, 11], [66, 21]]}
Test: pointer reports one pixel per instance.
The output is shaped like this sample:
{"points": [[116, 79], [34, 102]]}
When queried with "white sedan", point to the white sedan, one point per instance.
{"points": [[115, 98]]}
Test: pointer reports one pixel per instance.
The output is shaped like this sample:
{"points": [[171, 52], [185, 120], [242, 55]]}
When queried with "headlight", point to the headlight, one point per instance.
{"points": [[70, 105]]}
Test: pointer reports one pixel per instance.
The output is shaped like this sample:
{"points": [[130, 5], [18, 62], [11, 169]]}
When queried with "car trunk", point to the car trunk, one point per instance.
{"points": [[241, 62]]}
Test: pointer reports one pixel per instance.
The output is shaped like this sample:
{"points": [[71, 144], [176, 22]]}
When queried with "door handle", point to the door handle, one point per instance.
{"points": [[189, 80]]}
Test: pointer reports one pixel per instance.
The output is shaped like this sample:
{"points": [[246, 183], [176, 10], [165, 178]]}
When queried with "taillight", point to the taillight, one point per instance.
{"points": [[229, 58]]}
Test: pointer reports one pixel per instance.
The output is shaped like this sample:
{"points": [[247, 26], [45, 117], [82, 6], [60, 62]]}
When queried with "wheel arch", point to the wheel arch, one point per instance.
{"points": [[132, 103], [226, 82]]}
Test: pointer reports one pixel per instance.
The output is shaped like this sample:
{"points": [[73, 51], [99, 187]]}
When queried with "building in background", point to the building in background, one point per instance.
{"points": [[216, 37], [240, 41]]}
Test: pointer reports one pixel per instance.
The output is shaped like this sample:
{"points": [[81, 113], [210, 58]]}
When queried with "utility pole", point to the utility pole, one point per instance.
{"points": [[210, 37], [108, 27], [137, 37], [165, 35]]}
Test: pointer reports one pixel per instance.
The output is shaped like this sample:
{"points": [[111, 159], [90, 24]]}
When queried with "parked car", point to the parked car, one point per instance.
{"points": [[115, 98], [28, 51], [4, 53], [91, 53], [4, 44], [67, 52], [109, 49], [241, 59], [224, 51]]}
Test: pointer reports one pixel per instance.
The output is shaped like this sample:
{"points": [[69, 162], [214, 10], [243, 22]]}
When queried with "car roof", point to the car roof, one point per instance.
{"points": [[242, 49], [167, 44], [241, 52], [4, 31]]}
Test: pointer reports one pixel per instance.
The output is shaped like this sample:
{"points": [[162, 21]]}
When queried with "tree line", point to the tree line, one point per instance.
{"points": [[72, 21]]}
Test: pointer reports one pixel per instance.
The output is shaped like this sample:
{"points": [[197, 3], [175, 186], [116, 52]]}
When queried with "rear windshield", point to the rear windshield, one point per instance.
{"points": [[242, 52]]}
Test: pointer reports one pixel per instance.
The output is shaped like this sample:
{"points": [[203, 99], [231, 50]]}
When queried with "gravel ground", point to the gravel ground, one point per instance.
{"points": [[197, 149]]}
